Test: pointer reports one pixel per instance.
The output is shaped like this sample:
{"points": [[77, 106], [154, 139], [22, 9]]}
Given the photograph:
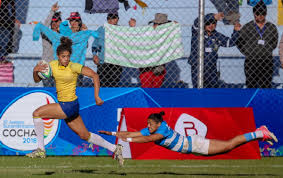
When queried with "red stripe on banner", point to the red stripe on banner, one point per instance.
{"points": [[6, 80], [213, 123], [6, 75], [5, 71]]}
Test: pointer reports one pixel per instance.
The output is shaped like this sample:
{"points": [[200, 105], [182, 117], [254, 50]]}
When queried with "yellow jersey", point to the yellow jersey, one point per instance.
{"points": [[66, 80]]}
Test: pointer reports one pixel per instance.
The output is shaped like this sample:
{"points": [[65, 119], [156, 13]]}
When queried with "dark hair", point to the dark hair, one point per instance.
{"points": [[157, 117], [56, 17], [66, 45], [112, 16], [260, 8]]}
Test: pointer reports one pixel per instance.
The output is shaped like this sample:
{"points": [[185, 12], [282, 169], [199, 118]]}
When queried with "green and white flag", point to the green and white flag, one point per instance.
{"points": [[143, 46]]}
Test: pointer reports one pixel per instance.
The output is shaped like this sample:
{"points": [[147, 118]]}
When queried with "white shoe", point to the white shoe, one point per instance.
{"points": [[38, 153], [118, 154]]}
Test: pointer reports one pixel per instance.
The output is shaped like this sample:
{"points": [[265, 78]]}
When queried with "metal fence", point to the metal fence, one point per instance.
{"points": [[232, 58]]}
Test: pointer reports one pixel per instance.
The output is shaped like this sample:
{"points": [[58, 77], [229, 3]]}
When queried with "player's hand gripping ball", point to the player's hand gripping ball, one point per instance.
{"points": [[47, 73]]}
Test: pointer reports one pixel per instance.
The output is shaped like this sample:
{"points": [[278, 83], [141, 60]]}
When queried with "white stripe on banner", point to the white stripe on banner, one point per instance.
{"points": [[143, 46]]}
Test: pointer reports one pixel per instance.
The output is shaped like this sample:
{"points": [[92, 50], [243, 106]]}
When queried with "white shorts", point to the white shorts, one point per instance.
{"points": [[200, 144]]}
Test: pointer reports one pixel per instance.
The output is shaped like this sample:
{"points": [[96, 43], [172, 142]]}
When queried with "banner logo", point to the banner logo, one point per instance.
{"points": [[188, 125], [16, 122]]}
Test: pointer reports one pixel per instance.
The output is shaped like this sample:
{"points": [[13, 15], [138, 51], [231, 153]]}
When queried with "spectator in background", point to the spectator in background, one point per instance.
{"points": [[7, 24], [109, 74], [230, 8], [132, 22], [212, 41], [76, 26], [153, 77], [257, 40], [53, 20], [80, 39], [76, 22]]}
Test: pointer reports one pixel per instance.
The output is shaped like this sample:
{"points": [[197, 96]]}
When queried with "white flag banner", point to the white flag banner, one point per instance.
{"points": [[144, 46]]}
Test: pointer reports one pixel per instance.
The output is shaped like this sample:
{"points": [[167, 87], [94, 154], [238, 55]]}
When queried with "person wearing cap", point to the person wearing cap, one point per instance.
{"points": [[212, 41], [153, 77], [109, 74], [258, 38], [53, 20], [76, 22], [77, 25]]}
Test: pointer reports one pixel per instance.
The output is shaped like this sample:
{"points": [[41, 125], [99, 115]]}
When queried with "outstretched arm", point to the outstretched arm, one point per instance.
{"points": [[144, 139], [136, 137], [90, 73], [50, 34], [48, 20], [230, 42], [122, 134]]}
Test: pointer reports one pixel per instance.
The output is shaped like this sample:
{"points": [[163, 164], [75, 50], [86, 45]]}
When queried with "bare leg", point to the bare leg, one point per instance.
{"points": [[79, 128], [53, 111], [77, 125], [219, 146]]}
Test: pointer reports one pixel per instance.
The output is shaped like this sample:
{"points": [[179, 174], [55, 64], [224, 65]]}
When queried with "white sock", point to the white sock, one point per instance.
{"points": [[98, 140], [39, 130]]}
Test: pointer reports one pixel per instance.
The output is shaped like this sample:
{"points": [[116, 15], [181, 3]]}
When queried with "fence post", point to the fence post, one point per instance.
{"points": [[201, 43]]}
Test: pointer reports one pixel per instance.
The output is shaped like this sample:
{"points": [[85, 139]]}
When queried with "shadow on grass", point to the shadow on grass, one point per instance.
{"points": [[97, 172]]}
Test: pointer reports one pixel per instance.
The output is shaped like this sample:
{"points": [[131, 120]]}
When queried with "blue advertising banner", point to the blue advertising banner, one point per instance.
{"points": [[17, 136]]}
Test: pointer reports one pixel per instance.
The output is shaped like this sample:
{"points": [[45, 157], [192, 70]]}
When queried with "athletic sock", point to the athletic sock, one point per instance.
{"points": [[253, 135], [39, 130], [98, 140]]}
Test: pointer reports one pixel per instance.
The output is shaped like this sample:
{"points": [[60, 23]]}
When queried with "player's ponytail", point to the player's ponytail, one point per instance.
{"points": [[157, 117], [66, 45]]}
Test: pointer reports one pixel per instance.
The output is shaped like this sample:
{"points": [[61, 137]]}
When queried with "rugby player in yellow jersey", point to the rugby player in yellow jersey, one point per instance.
{"points": [[65, 74]]}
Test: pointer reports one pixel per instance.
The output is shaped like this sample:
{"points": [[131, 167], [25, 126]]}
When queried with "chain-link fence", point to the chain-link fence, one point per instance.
{"points": [[137, 53]]}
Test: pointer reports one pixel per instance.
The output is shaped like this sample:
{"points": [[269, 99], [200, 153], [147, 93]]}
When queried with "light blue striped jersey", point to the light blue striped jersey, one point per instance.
{"points": [[171, 140]]}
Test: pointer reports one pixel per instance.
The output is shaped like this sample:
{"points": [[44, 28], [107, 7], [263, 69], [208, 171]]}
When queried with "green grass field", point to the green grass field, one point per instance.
{"points": [[19, 166]]}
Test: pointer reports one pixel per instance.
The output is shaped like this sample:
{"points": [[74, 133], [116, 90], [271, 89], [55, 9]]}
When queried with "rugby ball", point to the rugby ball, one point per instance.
{"points": [[47, 73]]}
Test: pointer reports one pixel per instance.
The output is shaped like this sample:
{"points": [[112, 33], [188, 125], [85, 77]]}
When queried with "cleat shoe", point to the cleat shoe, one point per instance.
{"points": [[38, 153], [118, 154], [267, 135]]}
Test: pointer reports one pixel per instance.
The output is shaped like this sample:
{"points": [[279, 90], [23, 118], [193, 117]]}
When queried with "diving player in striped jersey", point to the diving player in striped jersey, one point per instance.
{"points": [[159, 132]]}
